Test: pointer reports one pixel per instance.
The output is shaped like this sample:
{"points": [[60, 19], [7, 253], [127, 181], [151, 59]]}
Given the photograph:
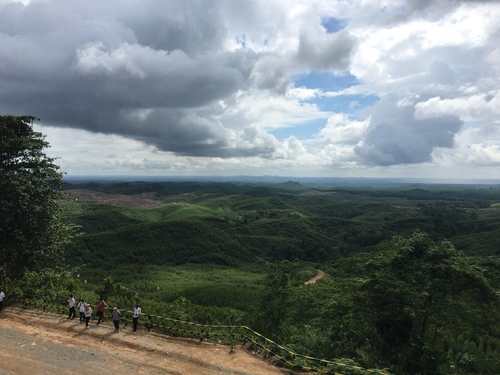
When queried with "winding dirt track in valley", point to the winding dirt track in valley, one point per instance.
{"points": [[45, 344], [313, 280]]}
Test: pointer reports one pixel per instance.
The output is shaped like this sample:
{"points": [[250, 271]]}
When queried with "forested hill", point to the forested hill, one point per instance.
{"points": [[231, 224]]}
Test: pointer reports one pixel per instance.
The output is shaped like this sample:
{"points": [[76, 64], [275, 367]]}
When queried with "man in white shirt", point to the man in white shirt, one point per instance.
{"points": [[81, 310], [88, 313], [71, 305], [2, 296], [135, 318]]}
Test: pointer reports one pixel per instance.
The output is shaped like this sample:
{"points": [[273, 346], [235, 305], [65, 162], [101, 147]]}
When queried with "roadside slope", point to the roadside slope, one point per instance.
{"points": [[49, 344]]}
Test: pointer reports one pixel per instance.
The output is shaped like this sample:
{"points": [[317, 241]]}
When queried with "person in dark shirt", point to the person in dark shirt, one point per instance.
{"points": [[100, 309]]}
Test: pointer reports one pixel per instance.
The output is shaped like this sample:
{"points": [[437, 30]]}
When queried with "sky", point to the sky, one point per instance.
{"points": [[317, 88]]}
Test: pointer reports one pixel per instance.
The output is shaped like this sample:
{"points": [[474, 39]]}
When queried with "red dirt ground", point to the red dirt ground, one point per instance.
{"points": [[44, 343]]}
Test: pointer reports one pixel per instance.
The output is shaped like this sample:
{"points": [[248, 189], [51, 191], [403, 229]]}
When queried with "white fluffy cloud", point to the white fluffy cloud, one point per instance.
{"points": [[341, 130], [473, 107]]}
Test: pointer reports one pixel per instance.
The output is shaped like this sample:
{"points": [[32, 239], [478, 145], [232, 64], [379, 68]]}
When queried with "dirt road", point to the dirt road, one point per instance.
{"points": [[319, 275], [46, 344]]}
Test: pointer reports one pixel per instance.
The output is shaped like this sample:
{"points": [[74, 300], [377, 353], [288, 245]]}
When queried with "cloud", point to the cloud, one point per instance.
{"points": [[425, 68], [319, 50], [205, 84], [291, 149], [474, 107], [341, 130], [77, 67], [395, 136], [158, 71], [476, 148], [272, 73]]}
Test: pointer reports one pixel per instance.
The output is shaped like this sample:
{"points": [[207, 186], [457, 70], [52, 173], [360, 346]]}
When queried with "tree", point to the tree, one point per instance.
{"points": [[115, 292], [279, 285], [416, 291], [33, 235]]}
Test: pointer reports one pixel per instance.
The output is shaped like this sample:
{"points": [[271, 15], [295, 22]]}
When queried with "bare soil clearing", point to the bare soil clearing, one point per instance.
{"points": [[45, 343], [145, 200]]}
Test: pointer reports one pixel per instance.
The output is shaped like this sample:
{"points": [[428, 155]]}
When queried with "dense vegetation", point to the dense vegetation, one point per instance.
{"points": [[232, 224], [412, 273], [32, 234]]}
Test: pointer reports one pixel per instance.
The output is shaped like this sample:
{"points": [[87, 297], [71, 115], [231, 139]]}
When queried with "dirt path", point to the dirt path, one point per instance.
{"points": [[46, 344], [318, 276]]}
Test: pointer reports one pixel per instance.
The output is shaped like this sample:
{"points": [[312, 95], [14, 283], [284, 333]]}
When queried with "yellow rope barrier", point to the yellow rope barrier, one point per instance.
{"points": [[269, 347]]}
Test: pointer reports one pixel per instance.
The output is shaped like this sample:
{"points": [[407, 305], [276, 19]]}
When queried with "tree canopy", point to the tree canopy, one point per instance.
{"points": [[32, 233], [416, 291]]}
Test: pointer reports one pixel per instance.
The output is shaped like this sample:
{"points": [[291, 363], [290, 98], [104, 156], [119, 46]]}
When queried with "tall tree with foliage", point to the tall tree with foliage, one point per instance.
{"points": [[417, 293], [279, 285], [33, 235]]}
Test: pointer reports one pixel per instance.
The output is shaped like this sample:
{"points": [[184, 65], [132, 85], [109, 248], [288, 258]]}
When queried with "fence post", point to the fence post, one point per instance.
{"points": [[202, 333], [233, 342], [149, 323]]}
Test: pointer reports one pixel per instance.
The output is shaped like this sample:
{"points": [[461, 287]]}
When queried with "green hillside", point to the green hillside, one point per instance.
{"points": [[239, 254], [226, 224]]}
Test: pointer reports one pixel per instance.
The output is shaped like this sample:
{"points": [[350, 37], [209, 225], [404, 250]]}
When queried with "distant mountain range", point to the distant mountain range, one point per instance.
{"points": [[336, 181]]}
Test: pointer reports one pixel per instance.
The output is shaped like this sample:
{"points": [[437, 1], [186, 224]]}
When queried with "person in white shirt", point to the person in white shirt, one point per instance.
{"points": [[88, 313], [81, 310], [135, 317], [2, 296], [71, 305]]}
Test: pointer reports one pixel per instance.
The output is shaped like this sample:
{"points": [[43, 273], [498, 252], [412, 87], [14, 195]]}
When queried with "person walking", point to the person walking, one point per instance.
{"points": [[88, 313], [100, 309], [116, 318], [71, 305], [2, 297], [81, 310], [135, 317]]}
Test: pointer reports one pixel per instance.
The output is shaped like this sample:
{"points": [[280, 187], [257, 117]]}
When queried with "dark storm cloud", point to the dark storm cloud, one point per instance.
{"points": [[394, 136], [187, 134], [191, 26], [144, 70]]}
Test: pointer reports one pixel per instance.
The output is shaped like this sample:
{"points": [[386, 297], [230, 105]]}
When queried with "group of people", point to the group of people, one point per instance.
{"points": [[85, 310]]}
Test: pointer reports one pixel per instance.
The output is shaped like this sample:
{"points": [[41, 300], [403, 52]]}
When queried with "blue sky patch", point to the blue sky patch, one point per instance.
{"points": [[346, 103], [326, 81], [242, 40], [301, 132], [332, 24]]}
